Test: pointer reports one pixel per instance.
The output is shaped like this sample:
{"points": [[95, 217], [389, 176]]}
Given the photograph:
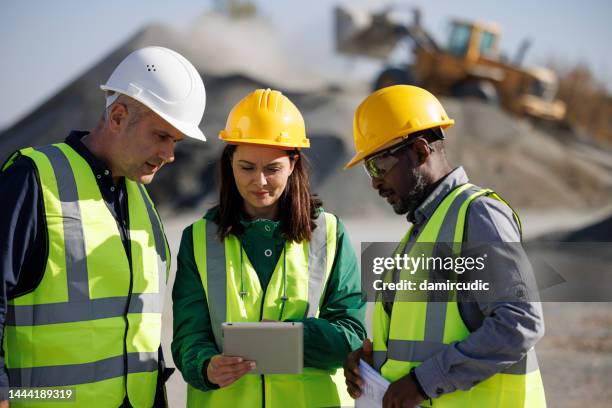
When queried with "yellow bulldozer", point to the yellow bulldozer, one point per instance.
{"points": [[469, 65]]}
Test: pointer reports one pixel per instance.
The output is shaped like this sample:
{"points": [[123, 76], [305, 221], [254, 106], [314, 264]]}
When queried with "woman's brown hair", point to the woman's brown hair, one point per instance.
{"points": [[298, 208]]}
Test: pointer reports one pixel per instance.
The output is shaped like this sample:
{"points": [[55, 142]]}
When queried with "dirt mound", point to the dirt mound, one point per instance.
{"points": [[599, 232], [528, 167]]}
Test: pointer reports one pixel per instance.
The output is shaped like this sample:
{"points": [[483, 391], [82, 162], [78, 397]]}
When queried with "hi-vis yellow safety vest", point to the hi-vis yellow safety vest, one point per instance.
{"points": [[417, 330], [93, 323], [308, 267]]}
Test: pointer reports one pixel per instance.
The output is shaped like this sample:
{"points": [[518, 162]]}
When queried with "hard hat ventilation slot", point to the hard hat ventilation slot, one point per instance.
{"points": [[151, 68], [267, 96]]}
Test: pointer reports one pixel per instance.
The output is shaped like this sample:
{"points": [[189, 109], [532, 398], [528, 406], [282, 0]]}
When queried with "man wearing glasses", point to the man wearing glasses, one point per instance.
{"points": [[451, 349]]}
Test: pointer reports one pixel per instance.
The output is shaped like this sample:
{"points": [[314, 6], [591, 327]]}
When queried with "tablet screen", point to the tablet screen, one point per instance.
{"points": [[276, 347]]}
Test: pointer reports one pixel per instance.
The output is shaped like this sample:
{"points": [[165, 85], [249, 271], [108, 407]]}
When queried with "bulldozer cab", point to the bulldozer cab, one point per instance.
{"points": [[538, 98], [472, 40], [544, 84]]}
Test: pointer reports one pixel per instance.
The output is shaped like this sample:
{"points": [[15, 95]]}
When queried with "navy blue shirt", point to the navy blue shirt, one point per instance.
{"points": [[23, 233]]}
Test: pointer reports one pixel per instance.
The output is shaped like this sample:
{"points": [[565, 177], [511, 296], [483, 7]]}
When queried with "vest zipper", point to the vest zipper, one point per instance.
{"points": [[129, 300], [127, 326], [263, 391], [263, 379]]}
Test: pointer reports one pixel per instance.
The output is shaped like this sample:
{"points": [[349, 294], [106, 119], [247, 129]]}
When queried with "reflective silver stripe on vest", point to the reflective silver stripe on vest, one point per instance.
{"points": [[216, 274], [449, 224], [86, 373], [435, 316], [379, 358], [527, 364], [79, 306], [74, 241], [144, 301], [34, 315], [413, 350], [419, 351], [158, 234], [216, 282], [389, 294], [317, 265]]}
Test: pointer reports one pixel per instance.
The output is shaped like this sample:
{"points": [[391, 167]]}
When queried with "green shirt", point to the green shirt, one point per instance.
{"points": [[339, 329]]}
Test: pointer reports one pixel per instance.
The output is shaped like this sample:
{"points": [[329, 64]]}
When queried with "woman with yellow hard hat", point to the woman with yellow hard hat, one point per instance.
{"points": [[267, 251]]}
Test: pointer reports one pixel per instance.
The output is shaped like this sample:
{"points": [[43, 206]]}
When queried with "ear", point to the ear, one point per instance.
{"points": [[117, 117], [422, 150]]}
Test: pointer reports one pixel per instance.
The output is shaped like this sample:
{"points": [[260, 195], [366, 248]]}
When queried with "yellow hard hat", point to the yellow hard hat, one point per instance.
{"points": [[266, 117], [392, 113]]}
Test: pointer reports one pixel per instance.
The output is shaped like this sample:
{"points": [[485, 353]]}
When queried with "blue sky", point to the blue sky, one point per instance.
{"points": [[46, 43]]}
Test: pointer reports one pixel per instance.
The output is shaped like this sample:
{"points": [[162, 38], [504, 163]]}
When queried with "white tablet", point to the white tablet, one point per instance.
{"points": [[276, 347]]}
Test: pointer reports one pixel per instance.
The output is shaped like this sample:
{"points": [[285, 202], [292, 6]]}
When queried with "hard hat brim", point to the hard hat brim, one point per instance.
{"points": [[359, 156], [355, 160], [185, 128], [265, 143]]}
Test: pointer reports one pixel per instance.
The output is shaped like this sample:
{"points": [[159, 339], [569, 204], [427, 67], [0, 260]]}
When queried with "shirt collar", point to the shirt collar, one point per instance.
{"points": [[260, 226], [452, 180]]}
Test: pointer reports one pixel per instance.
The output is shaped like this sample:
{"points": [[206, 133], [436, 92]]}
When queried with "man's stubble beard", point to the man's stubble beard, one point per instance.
{"points": [[407, 205]]}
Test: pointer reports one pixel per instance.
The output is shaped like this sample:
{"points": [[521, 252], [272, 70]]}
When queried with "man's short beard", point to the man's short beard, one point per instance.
{"points": [[407, 205]]}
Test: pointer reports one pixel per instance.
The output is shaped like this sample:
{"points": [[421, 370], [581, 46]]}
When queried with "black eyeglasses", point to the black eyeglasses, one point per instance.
{"points": [[381, 163]]}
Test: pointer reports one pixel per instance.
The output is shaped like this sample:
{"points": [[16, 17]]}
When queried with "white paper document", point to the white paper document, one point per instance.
{"points": [[374, 387]]}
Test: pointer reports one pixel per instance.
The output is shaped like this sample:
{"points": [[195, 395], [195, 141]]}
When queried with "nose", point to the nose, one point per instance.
{"points": [[261, 179], [376, 183], [167, 152]]}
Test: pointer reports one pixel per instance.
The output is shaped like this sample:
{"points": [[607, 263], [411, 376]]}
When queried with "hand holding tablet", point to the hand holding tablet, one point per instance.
{"points": [[225, 370]]}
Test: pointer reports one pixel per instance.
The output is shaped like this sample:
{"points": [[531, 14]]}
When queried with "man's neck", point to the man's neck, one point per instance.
{"points": [[436, 176], [92, 142]]}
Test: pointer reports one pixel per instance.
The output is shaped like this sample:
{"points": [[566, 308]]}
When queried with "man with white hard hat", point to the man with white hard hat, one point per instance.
{"points": [[85, 258]]}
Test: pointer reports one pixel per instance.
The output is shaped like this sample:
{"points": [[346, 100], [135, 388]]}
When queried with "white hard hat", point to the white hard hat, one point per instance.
{"points": [[165, 82]]}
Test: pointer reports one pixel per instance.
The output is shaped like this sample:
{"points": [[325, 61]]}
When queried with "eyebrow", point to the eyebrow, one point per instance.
{"points": [[273, 163], [166, 134]]}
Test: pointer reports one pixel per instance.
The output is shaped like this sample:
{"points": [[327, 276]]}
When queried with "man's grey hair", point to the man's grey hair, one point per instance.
{"points": [[136, 109]]}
